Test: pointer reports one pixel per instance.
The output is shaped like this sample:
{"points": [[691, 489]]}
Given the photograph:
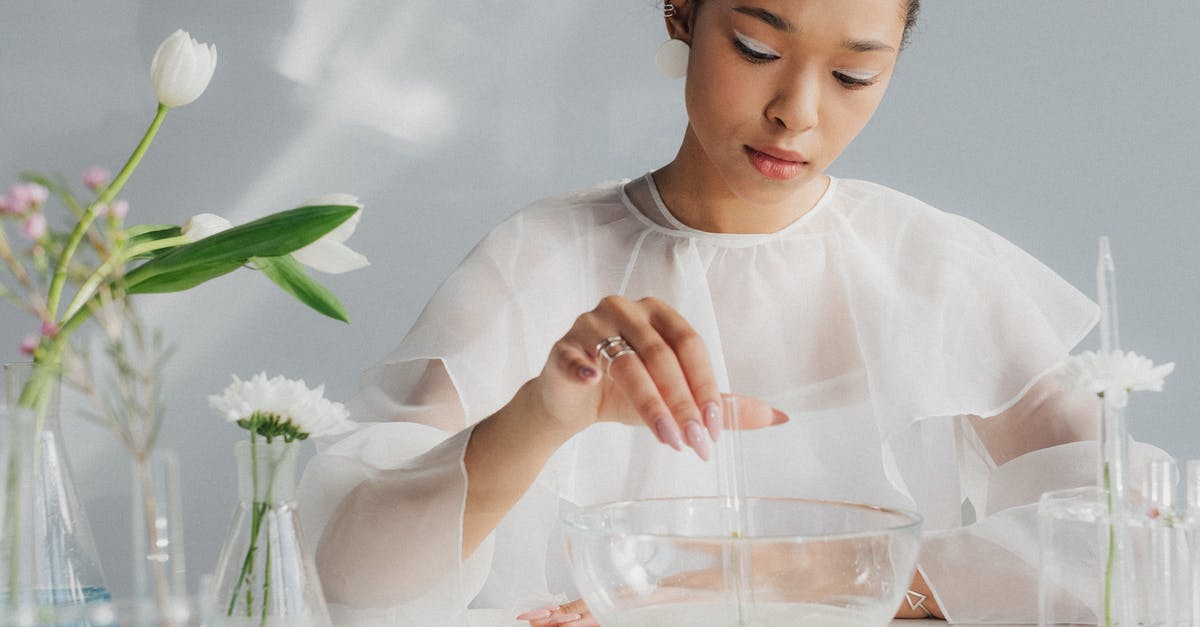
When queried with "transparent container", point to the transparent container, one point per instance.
{"points": [[265, 572], [1079, 574], [798, 562], [49, 557]]}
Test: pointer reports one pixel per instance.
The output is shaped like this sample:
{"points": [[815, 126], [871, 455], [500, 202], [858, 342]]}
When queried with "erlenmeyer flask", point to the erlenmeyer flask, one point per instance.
{"points": [[50, 556], [265, 572]]}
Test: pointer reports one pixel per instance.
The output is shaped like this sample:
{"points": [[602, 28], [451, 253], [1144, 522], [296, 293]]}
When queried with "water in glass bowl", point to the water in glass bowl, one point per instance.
{"points": [[765, 615]]}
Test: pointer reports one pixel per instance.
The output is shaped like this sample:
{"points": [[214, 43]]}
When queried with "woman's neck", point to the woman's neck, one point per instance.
{"points": [[698, 196]]}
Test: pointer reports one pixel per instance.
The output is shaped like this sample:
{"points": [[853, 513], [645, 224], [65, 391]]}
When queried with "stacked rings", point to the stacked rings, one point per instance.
{"points": [[612, 348]]}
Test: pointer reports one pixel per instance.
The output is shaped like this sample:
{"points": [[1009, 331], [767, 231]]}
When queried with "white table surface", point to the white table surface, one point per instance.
{"points": [[503, 618]]}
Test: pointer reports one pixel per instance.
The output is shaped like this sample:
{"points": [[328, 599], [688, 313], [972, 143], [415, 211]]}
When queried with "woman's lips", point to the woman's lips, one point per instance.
{"points": [[775, 163]]}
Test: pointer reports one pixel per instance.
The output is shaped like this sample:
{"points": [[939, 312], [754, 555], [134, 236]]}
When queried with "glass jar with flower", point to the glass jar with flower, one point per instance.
{"points": [[265, 573]]}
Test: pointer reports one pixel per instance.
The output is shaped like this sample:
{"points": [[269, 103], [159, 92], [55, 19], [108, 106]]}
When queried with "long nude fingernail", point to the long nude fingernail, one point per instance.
{"points": [[779, 417], [537, 614], [668, 432], [697, 439], [712, 419]]}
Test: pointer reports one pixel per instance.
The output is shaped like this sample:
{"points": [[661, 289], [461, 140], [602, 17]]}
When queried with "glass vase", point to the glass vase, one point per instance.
{"points": [[50, 557], [265, 573], [159, 576]]}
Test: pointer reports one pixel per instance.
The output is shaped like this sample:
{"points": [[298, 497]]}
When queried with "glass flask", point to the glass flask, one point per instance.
{"points": [[265, 573], [50, 559]]}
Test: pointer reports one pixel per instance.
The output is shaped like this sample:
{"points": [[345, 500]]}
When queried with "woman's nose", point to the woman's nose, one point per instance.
{"points": [[796, 105]]}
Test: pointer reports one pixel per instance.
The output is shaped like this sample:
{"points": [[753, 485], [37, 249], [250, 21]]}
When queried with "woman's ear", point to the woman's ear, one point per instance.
{"points": [[679, 17]]}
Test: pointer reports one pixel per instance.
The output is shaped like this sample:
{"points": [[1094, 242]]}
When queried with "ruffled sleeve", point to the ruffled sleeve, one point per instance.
{"points": [[387, 501], [961, 320]]}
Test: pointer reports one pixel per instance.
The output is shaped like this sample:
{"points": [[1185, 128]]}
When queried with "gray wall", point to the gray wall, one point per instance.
{"points": [[1051, 126]]}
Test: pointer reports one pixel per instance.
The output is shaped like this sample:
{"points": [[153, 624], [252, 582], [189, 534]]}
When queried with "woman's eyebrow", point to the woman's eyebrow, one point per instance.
{"points": [[770, 18], [866, 45]]}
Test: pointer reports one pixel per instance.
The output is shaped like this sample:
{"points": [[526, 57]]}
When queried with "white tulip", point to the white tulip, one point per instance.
{"points": [[181, 69], [329, 254], [202, 225]]}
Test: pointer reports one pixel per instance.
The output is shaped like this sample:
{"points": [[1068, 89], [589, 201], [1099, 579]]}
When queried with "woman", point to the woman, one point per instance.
{"points": [[889, 352]]}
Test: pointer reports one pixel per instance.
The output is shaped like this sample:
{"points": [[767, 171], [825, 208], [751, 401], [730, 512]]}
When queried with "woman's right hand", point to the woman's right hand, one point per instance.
{"points": [[667, 382]]}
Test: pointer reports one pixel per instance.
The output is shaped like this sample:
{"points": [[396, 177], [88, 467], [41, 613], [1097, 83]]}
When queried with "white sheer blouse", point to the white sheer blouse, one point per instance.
{"points": [[882, 326]]}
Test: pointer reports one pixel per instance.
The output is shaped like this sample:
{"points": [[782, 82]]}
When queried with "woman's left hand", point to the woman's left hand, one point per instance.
{"points": [[574, 614]]}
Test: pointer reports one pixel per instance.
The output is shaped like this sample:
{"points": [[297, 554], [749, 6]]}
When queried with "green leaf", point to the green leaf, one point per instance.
{"points": [[139, 230], [288, 274], [40, 179], [146, 233], [272, 236], [180, 281]]}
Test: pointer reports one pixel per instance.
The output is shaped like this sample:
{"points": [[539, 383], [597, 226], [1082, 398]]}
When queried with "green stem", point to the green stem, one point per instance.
{"points": [[106, 269], [35, 396], [89, 215], [1112, 551], [255, 523]]}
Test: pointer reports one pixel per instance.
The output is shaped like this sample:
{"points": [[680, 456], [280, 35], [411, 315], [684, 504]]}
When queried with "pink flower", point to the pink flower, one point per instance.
{"points": [[29, 344], [34, 227], [96, 177], [17, 200], [7, 205], [37, 194], [26, 195], [49, 329], [119, 209]]}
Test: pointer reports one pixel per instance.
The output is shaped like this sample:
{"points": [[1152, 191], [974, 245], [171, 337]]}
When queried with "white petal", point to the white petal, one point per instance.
{"points": [[330, 256], [333, 199], [181, 69], [203, 225]]}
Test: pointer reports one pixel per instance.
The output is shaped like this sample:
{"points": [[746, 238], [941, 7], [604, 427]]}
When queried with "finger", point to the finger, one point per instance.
{"points": [[693, 358], [538, 617], [574, 362], [656, 345], [750, 413], [627, 373], [576, 614], [630, 376]]}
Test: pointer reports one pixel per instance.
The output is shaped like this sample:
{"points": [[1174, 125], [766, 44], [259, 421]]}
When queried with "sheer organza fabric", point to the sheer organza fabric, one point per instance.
{"points": [[878, 323]]}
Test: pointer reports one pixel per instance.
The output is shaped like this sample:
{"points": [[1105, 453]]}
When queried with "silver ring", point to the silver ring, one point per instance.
{"points": [[668, 9], [611, 348]]}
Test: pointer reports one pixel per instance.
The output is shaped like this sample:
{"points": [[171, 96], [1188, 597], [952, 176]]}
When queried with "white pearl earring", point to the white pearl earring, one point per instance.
{"points": [[672, 58]]}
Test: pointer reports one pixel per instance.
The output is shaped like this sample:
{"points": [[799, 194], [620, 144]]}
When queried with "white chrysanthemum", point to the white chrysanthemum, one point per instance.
{"points": [[1113, 375], [285, 399]]}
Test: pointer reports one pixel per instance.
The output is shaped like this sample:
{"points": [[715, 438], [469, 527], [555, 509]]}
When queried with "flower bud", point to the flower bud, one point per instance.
{"points": [[29, 344], [34, 228], [118, 209], [203, 225], [181, 69], [22, 196], [96, 177], [49, 329]]}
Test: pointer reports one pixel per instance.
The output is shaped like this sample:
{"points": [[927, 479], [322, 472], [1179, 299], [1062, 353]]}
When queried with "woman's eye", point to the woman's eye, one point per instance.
{"points": [[755, 51], [855, 80]]}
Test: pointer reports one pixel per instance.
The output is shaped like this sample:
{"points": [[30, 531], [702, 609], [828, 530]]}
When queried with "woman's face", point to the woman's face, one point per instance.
{"points": [[776, 89]]}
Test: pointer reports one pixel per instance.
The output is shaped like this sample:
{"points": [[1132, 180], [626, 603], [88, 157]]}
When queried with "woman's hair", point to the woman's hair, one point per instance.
{"points": [[910, 18], [911, 8]]}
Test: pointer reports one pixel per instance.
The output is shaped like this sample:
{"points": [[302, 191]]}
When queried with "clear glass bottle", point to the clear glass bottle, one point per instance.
{"points": [[159, 575], [51, 559], [265, 572]]}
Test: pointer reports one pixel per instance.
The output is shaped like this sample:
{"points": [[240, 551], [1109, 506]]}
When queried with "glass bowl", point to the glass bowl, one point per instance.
{"points": [[677, 561]]}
